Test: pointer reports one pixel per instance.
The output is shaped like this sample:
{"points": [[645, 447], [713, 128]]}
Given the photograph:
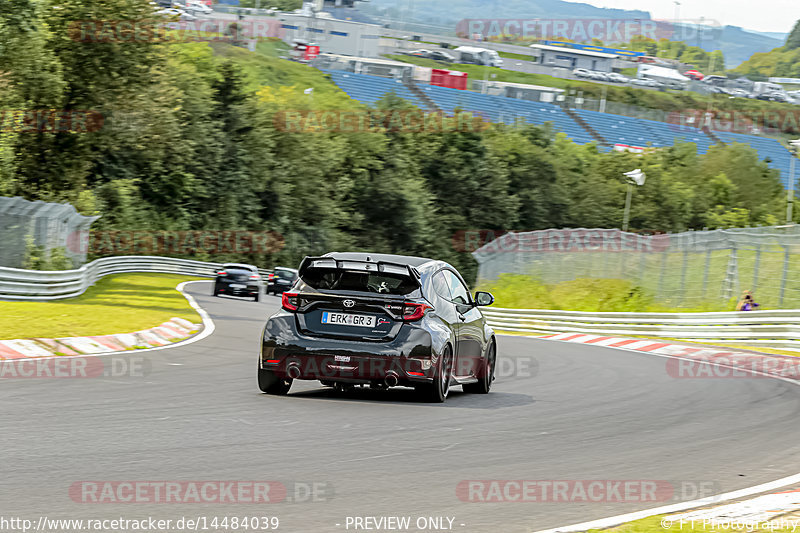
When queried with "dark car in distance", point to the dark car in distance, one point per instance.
{"points": [[382, 321], [235, 279], [281, 279]]}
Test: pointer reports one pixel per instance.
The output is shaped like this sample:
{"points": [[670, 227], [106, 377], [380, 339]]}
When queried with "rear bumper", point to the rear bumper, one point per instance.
{"points": [[249, 288], [409, 358]]}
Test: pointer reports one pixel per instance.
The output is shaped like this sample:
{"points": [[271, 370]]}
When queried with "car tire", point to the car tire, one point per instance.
{"points": [[216, 290], [269, 383], [257, 297], [437, 391], [484, 384]]}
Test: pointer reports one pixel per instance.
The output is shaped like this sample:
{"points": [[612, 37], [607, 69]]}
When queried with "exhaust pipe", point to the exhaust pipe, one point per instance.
{"points": [[293, 371], [391, 380]]}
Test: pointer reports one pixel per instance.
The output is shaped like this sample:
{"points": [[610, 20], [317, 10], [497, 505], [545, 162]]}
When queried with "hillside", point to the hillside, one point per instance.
{"points": [[781, 62]]}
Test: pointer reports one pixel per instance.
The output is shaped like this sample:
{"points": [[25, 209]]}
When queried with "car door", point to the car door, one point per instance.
{"points": [[469, 330], [445, 308]]}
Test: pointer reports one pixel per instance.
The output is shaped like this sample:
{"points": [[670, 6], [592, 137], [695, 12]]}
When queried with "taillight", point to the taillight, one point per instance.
{"points": [[255, 276], [222, 273], [289, 301], [271, 277], [414, 311]]}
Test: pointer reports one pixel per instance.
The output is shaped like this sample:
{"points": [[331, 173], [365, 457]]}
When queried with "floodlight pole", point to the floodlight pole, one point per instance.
{"points": [[633, 177], [626, 217]]}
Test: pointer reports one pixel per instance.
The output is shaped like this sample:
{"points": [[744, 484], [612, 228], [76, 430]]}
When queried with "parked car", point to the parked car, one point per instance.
{"points": [[176, 14], [582, 72], [438, 55], [645, 82], [739, 93], [236, 279], [196, 7], [417, 53], [382, 321], [281, 280], [675, 85], [695, 75], [617, 77], [718, 81]]}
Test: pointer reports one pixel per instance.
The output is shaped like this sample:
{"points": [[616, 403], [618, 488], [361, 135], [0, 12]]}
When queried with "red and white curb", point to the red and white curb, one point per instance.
{"points": [[693, 361], [177, 329], [175, 332]]}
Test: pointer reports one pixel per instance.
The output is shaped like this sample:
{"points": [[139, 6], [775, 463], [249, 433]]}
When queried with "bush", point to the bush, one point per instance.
{"points": [[37, 258]]}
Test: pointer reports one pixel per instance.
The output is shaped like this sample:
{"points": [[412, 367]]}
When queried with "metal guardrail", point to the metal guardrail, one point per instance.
{"points": [[35, 285], [779, 327]]}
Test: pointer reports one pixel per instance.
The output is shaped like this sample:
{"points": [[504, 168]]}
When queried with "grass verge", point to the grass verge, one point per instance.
{"points": [[116, 304], [653, 524]]}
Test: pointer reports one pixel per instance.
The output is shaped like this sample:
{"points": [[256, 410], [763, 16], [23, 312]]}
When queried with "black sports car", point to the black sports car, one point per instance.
{"points": [[379, 320], [239, 280], [281, 280]]}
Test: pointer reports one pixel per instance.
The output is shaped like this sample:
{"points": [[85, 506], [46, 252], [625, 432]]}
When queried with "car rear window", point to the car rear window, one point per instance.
{"points": [[237, 267], [285, 274], [359, 281]]}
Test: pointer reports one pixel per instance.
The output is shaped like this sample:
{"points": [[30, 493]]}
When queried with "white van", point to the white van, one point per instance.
{"points": [[478, 56]]}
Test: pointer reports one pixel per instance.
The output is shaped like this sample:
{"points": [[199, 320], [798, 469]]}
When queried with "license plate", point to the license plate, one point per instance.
{"points": [[237, 286], [345, 319]]}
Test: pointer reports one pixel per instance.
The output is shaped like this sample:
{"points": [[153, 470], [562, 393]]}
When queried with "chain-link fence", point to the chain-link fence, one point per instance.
{"points": [[49, 225], [684, 270]]}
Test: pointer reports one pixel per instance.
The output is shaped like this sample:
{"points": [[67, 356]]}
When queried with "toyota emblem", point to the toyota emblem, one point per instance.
{"points": [[349, 303]]}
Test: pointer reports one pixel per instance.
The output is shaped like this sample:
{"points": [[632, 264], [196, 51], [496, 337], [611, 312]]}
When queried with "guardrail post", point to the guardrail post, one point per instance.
{"points": [[754, 285], [785, 274], [683, 276], [731, 275]]}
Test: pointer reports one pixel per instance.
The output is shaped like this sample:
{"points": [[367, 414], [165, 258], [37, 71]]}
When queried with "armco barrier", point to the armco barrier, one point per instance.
{"points": [[32, 285], [779, 328], [776, 328]]}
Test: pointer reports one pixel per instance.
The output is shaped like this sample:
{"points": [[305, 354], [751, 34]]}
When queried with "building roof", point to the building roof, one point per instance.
{"points": [[661, 72], [573, 51], [493, 83]]}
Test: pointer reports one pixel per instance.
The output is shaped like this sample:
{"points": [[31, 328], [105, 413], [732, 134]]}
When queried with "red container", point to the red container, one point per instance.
{"points": [[449, 78]]}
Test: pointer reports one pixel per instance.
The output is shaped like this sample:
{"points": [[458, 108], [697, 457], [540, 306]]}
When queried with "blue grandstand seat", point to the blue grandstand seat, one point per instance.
{"points": [[370, 89], [616, 129], [779, 157]]}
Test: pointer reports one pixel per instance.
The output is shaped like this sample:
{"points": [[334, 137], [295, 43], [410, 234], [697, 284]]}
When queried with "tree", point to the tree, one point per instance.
{"points": [[793, 40]]}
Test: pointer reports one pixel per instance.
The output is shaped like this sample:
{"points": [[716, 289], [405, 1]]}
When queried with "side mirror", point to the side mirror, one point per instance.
{"points": [[483, 299]]}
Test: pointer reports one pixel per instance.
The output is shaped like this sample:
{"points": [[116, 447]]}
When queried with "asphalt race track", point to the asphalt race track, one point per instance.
{"points": [[557, 412]]}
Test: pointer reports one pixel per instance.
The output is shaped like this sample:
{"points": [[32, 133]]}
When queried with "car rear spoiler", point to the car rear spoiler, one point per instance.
{"points": [[357, 265]]}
